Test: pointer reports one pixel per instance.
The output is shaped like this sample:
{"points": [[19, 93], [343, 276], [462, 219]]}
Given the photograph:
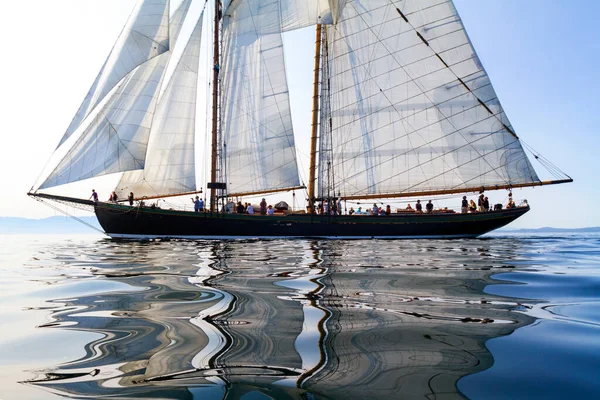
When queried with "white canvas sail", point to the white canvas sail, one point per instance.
{"points": [[296, 14], [412, 108], [117, 139], [170, 163], [256, 119], [145, 36]]}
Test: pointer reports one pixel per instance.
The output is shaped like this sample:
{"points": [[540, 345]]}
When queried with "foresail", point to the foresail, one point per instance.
{"points": [[177, 21], [256, 120], [145, 36], [412, 109], [170, 164], [117, 138]]}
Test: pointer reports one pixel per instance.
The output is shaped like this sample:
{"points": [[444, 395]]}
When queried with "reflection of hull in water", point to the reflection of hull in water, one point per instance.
{"points": [[121, 221], [285, 318]]}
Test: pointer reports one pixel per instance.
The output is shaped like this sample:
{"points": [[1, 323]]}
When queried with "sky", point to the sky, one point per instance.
{"points": [[541, 56]]}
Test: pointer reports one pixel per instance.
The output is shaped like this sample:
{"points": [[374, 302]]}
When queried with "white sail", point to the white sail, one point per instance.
{"points": [[256, 118], [296, 14], [412, 108], [117, 138], [145, 36], [170, 163], [177, 21]]}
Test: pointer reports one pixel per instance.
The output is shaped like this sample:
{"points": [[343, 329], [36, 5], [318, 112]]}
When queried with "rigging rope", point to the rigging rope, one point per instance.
{"points": [[48, 204]]}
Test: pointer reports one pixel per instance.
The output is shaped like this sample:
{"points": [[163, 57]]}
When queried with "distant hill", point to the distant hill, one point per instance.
{"points": [[548, 229], [51, 225]]}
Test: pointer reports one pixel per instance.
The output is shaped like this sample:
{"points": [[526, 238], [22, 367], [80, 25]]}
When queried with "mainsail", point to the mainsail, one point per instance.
{"points": [[145, 36], [117, 138], [170, 163], [411, 107], [256, 119]]}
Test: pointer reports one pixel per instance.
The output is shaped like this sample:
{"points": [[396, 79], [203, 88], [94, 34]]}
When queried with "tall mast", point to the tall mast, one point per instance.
{"points": [[216, 66], [315, 124]]}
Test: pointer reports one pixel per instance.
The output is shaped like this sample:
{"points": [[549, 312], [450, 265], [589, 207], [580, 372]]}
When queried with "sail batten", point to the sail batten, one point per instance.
{"points": [[411, 107]]}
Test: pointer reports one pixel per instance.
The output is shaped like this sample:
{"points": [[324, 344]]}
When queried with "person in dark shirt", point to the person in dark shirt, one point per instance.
{"points": [[263, 207], [465, 205], [486, 204], [94, 196], [419, 207], [130, 198], [429, 207], [240, 208], [388, 210]]}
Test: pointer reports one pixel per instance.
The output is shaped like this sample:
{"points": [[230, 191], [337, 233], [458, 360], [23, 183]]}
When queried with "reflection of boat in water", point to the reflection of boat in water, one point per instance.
{"points": [[402, 108], [284, 318]]}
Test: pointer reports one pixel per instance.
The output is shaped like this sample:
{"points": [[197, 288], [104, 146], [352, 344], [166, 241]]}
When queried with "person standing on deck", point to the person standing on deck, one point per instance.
{"points": [[196, 204], [263, 207], [465, 205], [250, 209], [130, 198], [429, 207], [375, 210], [201, 206], [94, 196], [388, 210], [419, 207]]}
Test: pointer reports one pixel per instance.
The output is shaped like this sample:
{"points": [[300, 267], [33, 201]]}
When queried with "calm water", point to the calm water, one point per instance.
{"points": [[505, 317]]}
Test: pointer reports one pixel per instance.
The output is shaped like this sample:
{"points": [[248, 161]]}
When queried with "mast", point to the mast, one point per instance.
{"points": [[315, 124], [213, 156]]}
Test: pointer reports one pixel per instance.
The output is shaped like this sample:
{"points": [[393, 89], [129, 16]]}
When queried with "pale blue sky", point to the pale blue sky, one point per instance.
{"points": [[542, 57]]}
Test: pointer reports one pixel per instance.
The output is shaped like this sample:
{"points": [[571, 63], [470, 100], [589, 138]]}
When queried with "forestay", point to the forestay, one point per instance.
{"points": [[170, 164], [145, 36], [259, 152], [412, 108]]}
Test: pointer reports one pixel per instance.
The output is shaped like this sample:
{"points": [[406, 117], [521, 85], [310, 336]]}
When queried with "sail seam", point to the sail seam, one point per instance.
{"points": [[413, 80], [450, 69]]}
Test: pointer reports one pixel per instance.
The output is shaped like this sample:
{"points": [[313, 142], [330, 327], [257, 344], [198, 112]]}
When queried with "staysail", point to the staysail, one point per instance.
{"points": [[259, 151], [145, 36], [117, 138], [411, 107], [170, 163]]}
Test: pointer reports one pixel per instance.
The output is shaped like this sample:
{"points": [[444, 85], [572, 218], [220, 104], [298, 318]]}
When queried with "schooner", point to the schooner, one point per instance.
{"points": [[402, 108]]}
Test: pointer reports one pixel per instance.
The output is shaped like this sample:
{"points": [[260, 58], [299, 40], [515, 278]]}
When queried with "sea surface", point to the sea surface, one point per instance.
{"points": [[508, 316]]}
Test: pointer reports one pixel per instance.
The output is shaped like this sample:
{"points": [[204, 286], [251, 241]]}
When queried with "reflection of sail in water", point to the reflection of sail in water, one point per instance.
{"points": [[221, 320]]}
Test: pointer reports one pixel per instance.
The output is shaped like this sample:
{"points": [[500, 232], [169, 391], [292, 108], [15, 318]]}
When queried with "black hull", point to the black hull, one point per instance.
{"points": [[120, 221]]}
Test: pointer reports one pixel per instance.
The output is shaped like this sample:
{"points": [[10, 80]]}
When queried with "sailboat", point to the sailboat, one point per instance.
{"points": [[402, 108]]}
